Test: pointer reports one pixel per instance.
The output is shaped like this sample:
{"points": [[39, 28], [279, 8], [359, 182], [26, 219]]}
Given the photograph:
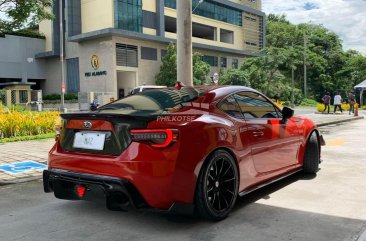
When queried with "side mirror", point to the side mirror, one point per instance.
{"points": [[287, 113]]}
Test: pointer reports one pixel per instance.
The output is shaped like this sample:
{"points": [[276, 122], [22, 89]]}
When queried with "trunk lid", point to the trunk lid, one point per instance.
{"points": [[105, 134]]}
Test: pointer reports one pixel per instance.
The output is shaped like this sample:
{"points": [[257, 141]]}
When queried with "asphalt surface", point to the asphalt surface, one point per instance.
{"points": [[329, 207]]}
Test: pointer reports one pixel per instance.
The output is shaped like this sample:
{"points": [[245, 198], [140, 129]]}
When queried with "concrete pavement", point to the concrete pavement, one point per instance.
{"points": [[37, 151]]}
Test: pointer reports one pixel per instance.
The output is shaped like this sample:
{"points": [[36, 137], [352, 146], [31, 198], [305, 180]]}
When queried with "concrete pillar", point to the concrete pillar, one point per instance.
{"points": [[8, 98], [184, 42]]}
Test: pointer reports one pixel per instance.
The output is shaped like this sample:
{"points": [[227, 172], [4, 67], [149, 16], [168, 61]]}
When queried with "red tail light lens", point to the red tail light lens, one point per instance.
{"points": [[80, 191], [156, 138]]}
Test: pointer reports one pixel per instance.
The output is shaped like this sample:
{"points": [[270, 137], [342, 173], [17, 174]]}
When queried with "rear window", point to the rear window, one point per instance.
{"points": [[150, 102]]}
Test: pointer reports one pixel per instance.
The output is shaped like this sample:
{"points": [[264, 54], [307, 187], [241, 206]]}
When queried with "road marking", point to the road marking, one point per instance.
{"points": [[21, 167], [335, 142]]}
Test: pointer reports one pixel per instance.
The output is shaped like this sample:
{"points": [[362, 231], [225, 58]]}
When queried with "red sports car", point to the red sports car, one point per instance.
{"points": [[189, 150]]}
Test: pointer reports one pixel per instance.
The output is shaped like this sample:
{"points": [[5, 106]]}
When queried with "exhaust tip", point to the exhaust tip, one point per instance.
{"points": [[118, 202]]}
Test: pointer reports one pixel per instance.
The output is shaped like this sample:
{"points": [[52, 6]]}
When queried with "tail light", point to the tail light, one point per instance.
{"points": [[155, 138]]}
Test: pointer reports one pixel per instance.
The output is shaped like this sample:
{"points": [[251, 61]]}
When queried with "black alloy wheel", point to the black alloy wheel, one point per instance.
{"points": [[217, 187]]}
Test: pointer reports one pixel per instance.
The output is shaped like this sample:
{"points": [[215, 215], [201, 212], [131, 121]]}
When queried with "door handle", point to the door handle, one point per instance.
{"points": [[258, 133]]}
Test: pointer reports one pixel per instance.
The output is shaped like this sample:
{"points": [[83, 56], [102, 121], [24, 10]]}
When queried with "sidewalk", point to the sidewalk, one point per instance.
{"points": [[28, 159]]}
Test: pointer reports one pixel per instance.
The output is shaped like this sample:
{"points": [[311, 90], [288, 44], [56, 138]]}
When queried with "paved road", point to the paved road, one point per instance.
{"points": [[329, 207]]}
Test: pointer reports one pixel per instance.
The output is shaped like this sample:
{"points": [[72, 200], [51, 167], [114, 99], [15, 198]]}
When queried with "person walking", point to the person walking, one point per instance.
{"points": [[326, 100], [337, 102], [352, 102]]}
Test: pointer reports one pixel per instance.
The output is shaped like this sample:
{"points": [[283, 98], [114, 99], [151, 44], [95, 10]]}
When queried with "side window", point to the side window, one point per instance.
{"points": [[230, 107], [254, 105]]}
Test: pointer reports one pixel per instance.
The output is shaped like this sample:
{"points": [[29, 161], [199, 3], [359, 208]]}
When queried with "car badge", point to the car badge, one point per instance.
{"points": [[88, 124]]}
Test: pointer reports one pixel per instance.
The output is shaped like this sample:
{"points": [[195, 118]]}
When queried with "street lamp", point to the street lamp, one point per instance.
{"points": [[293, 81], [199, 3], [62, 36], [305, 67]]}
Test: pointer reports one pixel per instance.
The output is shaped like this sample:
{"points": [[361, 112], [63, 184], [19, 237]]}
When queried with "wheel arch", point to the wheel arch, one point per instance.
{"points": [[316, 131]]}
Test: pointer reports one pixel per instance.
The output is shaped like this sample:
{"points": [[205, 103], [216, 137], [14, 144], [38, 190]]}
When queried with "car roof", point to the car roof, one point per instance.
{"points": [[222, 91]]}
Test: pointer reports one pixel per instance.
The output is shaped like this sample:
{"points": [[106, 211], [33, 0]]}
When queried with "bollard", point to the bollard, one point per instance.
{"points": [[356, 109]]}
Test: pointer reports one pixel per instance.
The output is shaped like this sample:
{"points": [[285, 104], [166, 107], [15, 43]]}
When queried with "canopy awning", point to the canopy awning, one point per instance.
{"points": [[361, 85]]}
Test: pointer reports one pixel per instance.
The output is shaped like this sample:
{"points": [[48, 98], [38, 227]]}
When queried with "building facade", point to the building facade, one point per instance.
{"points": [[115, 45], [17, 61]]}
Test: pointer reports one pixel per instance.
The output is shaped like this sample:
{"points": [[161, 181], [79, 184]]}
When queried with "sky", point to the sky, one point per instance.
{"points": [[347, 18]]}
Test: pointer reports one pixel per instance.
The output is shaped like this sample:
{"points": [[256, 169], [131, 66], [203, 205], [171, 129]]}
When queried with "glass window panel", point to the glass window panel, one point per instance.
{"points": [[254, 105], [128, 15], [212, 10], [230, 107]]}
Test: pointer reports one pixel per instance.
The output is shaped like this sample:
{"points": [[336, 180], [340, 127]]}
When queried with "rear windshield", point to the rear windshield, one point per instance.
{"points": [[151, 102]]}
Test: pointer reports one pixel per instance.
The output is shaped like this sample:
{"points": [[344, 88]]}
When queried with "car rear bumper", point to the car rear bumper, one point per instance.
{"points": [[118, 194]]}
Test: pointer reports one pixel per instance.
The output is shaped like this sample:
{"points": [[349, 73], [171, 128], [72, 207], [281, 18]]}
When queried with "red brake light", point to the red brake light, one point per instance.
{"points": [[80, 191], [156, 138]]}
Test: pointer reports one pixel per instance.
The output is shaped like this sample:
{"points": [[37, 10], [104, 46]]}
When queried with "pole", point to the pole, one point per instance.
{"points": [[305, 70], [184, 42], [361, 99], [293, 81], [62, 107]]}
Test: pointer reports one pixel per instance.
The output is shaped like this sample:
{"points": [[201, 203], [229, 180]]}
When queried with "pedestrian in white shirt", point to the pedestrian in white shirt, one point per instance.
{"points": [[337, 102]]}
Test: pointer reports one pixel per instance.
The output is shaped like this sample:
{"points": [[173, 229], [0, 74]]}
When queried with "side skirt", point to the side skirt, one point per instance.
{"points": [[245, 192]]}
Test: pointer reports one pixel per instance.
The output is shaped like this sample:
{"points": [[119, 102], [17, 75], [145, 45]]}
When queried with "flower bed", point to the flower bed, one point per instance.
{"points": [[15, 124]]}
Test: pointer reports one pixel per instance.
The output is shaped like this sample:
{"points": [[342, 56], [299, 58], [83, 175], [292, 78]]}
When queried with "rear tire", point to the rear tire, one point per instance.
{"points": [[217, 187], [312, 159]]}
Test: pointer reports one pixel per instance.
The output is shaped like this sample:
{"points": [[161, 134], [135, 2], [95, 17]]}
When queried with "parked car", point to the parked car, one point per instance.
{"points": [[184, 151], [142, 88]]}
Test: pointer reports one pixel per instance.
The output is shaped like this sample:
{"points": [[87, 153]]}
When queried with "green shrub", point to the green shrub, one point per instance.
{"points": [[52, 97], [309, 102], [17, 108], [69, 96]]}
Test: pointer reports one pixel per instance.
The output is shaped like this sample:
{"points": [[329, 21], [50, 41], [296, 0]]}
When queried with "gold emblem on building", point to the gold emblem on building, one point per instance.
{"points": [[95, 62]]}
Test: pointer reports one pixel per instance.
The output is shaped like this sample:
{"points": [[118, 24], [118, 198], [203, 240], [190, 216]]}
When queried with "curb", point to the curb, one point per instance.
{"points": [[20, 180], [339, 121]]}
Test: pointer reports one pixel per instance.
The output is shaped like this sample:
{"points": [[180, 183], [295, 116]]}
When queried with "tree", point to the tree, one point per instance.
{"points": [[168, 69], [234, 77], [21, 13], [329, 67], [200, 69]]}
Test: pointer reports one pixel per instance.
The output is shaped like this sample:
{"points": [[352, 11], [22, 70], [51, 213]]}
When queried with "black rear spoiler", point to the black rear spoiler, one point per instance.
{"points": [[105, 116]]}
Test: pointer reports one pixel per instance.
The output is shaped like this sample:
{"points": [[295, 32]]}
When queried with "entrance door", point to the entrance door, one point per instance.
{"points": [[126, 81]]}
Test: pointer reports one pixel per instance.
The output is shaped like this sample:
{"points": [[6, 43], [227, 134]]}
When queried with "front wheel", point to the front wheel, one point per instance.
{"points": [[217, 187], [312, 157]]}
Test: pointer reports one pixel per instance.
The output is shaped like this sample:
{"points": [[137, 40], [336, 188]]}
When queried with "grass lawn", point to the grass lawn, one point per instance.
{"points": [[27, 138]]}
